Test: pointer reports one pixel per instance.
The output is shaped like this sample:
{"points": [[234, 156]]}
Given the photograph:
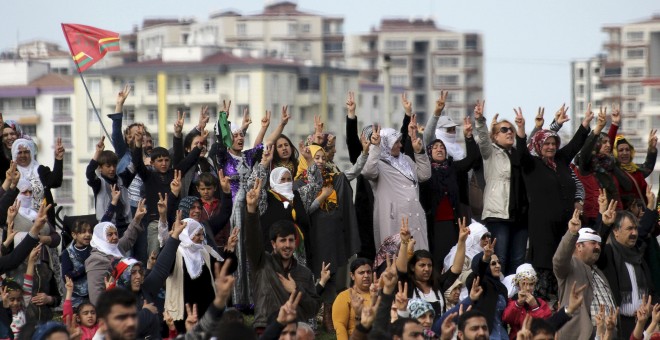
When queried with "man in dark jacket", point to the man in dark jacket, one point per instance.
{"points": [[624, 265], [276, 275]]}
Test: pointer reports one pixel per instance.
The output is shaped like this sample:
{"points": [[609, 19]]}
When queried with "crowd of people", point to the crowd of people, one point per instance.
{"points": [[504, 236]]}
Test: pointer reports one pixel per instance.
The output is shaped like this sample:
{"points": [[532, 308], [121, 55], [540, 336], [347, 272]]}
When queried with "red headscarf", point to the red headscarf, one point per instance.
{"points": [[536, 145]]}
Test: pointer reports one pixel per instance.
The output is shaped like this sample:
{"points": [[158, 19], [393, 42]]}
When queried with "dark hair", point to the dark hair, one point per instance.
{"points": [[208, 179], [147, 133], [282, 228], [112, 297], [187, 141], [294, 154], [397, 326], [13, 286], [474, 313], [541, 326], [416, 257], [620, 216], [82, 305], [359, 262], [232, 315], [108, 157], [159, 152], [79, 226]]}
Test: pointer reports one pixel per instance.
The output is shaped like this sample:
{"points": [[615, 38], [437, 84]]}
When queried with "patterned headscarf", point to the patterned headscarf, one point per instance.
{"points": [[389, 137], [525, 272], [390, 246], [631, 166], [418, 307], [186, 203], [536, 145]]}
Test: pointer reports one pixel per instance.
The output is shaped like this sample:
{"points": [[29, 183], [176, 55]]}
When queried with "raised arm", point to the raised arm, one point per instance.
{"points": [[614, 125], [561, 261], [482, 130], [356, 169], [254, 242], [352, 137], [459, 259], [118, 141], [422, 162], [370, 170], [272, 138], [429, 130]]}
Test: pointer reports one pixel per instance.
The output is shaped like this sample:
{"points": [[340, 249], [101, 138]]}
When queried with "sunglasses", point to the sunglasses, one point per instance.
{"points": [[506, 129], [495, 262]]}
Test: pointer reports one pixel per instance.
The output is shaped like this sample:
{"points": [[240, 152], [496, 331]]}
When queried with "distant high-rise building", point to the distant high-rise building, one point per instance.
{"points": [[628, 75], [423, 59]]}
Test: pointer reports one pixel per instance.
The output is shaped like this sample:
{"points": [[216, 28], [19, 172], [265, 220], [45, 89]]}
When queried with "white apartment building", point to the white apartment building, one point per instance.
{"points": [[191, 77], [280, 30], [628, 74], [423, 59], [42, 104]]}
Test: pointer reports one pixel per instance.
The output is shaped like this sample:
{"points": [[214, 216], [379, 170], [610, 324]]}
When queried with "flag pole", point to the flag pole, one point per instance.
{"points": [[93, 106]]}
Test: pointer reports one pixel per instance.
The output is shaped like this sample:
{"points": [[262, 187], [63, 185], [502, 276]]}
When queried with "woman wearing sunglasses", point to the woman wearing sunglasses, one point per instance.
{"points": [[505, 200]]}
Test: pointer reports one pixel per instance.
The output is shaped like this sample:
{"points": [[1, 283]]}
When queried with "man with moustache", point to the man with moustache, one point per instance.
{"points": [[574, 263], [624, 266], [472, 325]]}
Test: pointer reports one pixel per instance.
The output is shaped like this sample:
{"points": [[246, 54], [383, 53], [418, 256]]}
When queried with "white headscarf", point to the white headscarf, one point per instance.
{"points": [[388, 137], [100, 242], [26, 171], [193, 253], [472, 246], [26, 208], [284, 189], [449, 139], [235, 128]]}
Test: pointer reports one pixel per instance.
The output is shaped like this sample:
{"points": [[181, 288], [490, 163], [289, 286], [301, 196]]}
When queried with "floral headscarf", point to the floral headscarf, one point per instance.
{"points": [[536, 145]]}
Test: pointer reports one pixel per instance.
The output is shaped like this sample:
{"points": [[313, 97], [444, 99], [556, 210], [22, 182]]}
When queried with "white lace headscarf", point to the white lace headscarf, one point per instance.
{"points": [[389, 137], [193, 253]]}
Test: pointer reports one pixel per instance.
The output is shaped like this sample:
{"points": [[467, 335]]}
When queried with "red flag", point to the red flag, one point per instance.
{"points": [[89, 44]]}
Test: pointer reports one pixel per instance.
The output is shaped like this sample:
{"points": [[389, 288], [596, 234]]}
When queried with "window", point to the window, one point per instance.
{"points": [[331, 85], [61, 106], [333, 47], [209, 85], [613, 72], [580, 73], [443, 80], [64, 132], [447, 44], [152, 115], [655, 96], [374, 101], [398, 62], [580, 90], [395, 45], [305, 28], [66, 190], [28, 104], [306, 47], [242, 84], [635, 72], [635, 53], [399, 80], [634, 90], [471, 43], [446, 62], [129, 115], [326, 28], [635, 36], [293, 28], [331, 113], [152, 86], [91, 116], [94, 85], [180, 85], [67, 163], [30, 130], [241, 29]]}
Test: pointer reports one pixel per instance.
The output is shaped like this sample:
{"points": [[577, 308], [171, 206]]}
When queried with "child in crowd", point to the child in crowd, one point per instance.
{"points": [[85, 313], [15, 300], [73, 261], [101, 177], [158, 180]]}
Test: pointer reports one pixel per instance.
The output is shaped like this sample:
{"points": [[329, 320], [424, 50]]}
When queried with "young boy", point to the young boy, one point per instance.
{"points": [[157, 181], [73, 261], [101, 176], [215, 212]]}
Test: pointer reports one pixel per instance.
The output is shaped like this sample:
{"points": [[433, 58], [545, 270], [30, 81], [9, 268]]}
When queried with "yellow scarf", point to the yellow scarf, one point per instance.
{"points": [[329, 203], [631, 166]]}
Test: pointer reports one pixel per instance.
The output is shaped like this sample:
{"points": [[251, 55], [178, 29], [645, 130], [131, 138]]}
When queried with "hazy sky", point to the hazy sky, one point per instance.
{"points": [[528, 45]]}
